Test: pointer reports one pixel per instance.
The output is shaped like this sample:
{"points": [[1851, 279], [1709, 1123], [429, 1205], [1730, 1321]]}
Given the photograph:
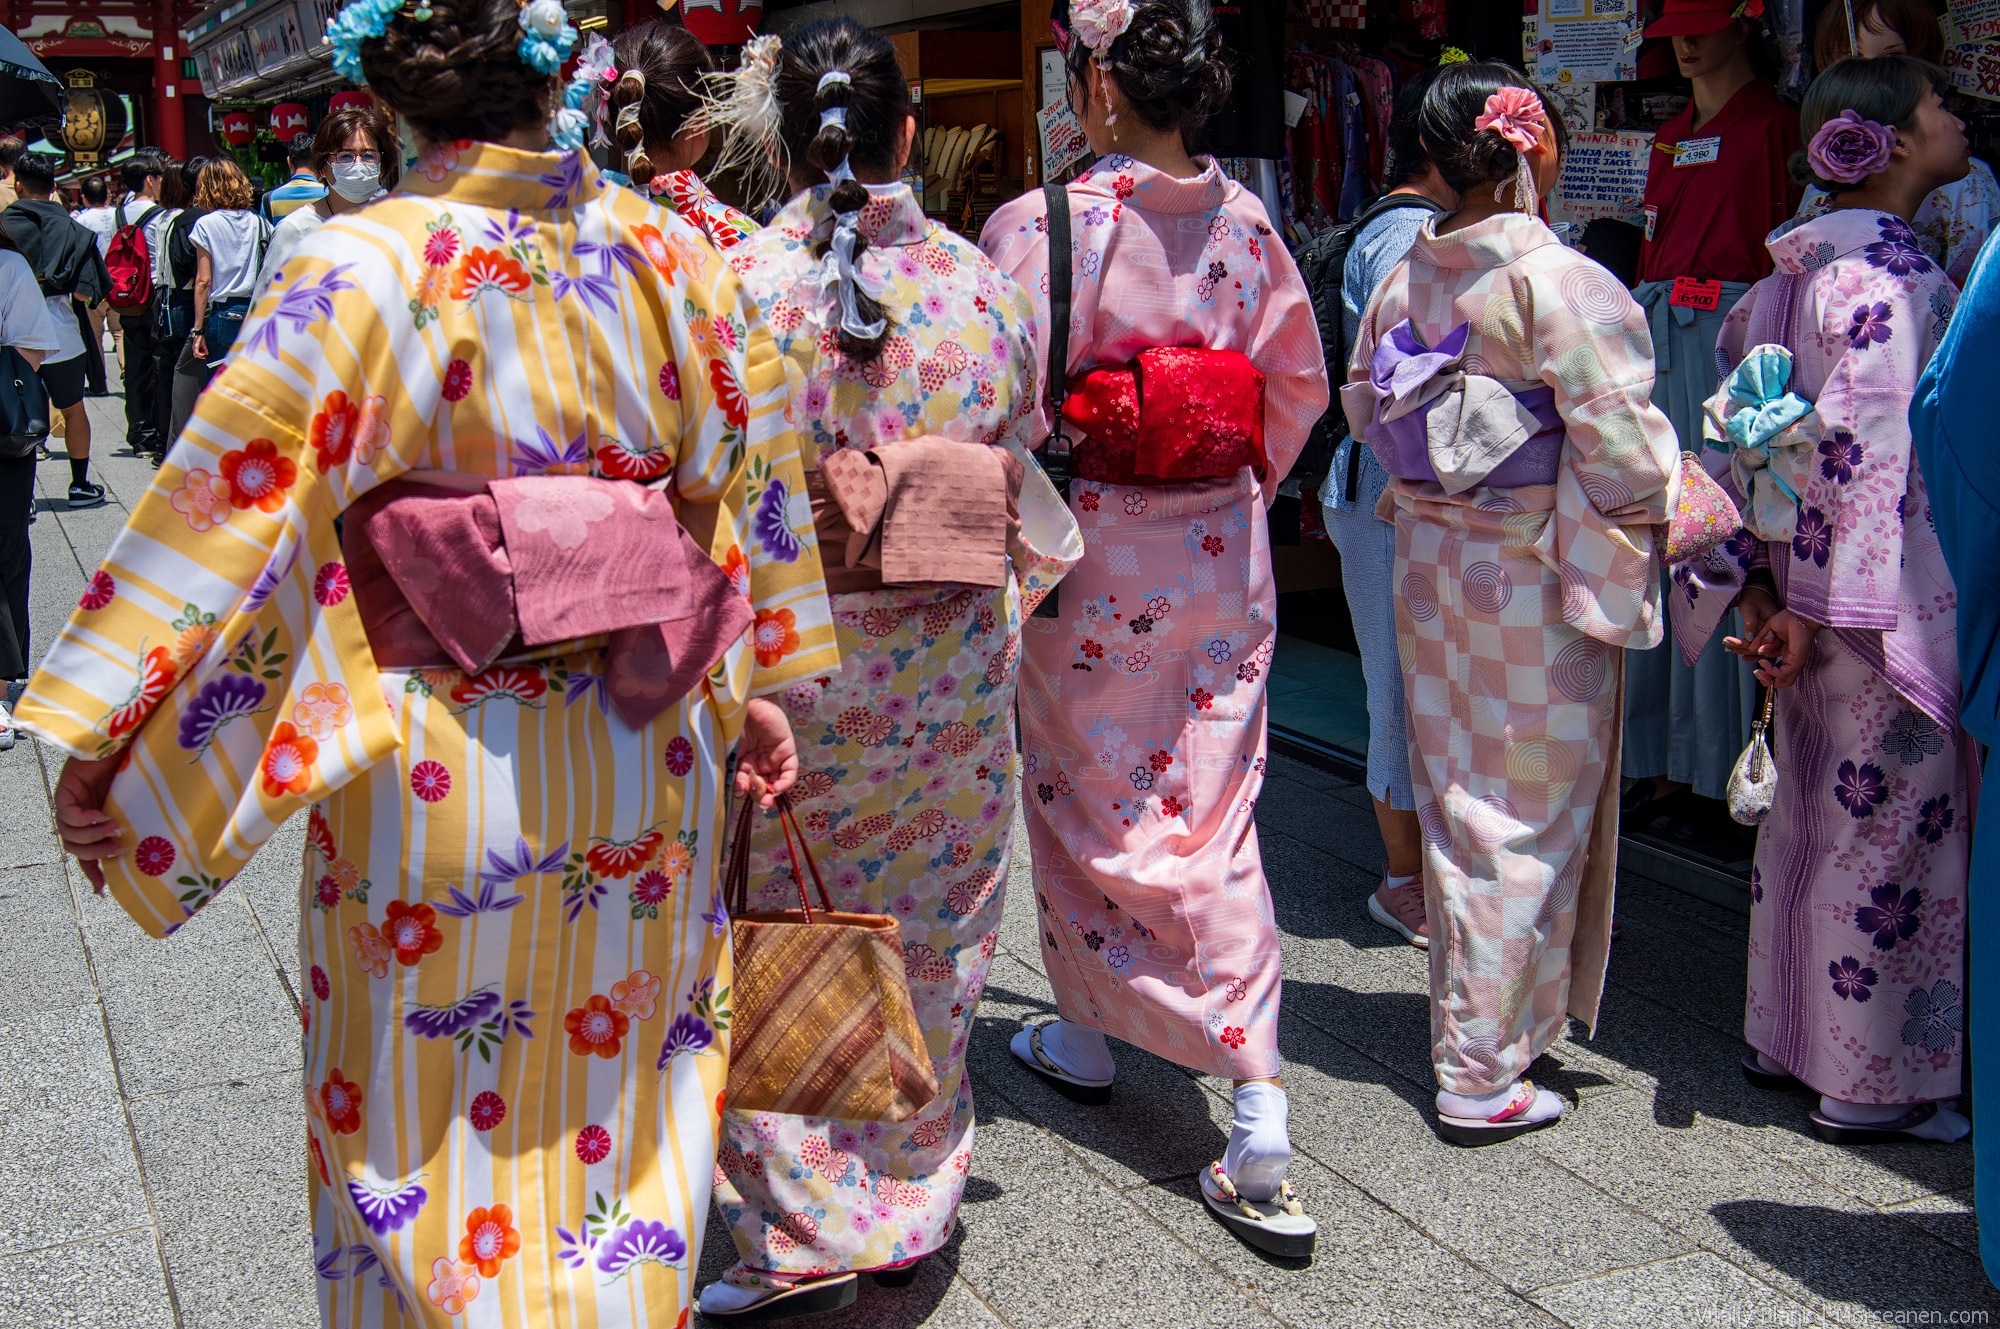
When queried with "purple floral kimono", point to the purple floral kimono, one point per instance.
{"points": [[1857, 935]]}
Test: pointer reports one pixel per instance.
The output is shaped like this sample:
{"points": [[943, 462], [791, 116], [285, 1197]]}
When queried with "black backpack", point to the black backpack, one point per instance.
{"points": [[1323, 264]]}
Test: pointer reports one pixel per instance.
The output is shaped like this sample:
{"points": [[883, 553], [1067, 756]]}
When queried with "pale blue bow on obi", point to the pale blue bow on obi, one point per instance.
{"points": [[1770, 434]]}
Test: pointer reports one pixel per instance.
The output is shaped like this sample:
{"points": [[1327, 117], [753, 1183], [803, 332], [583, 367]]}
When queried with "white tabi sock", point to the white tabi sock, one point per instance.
{"points": [[1483, 1107], [1078, 1049], [1945, 1127], [1260, 1150]]}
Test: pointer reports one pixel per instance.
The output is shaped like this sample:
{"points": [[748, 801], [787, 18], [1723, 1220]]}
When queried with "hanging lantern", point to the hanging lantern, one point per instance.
{"points": [[287, 119], [238, 128], [352, 97], [722, 22], [84, 130]]}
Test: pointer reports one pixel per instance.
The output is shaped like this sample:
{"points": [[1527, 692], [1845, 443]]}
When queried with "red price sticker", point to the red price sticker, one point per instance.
{"points": [[1690, 293]]}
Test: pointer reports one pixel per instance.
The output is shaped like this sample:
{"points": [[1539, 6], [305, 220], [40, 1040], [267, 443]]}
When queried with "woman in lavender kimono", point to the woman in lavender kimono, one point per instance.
{"points": [[1857, 931]]}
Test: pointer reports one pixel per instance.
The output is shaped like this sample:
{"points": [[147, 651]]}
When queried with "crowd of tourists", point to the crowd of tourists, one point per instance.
{"points": [[659, 617]]}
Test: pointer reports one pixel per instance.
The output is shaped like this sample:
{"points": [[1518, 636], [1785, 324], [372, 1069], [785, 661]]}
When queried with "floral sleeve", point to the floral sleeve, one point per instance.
{"points": [[743, 489], [218, 644]]}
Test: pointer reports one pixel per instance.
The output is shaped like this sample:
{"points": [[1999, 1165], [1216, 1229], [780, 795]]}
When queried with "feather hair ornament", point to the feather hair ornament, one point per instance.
{"points": [[744, 104]]}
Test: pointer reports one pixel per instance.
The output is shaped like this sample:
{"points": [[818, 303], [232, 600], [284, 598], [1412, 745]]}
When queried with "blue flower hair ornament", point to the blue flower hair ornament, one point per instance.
{"points": [[546, 33], [547, 36]]}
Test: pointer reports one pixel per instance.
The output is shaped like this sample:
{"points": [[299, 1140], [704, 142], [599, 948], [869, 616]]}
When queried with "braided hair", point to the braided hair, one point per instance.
{"points": [[842, 102], [658, 93]]}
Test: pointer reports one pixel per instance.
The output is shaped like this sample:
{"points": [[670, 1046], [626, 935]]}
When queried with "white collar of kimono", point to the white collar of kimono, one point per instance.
{"points": [[1120, 178], [1813, 244], [892, 215], [1492, 243]]}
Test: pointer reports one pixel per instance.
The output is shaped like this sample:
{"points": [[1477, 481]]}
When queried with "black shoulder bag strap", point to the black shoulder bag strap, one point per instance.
{"points": [[1056, 462]]}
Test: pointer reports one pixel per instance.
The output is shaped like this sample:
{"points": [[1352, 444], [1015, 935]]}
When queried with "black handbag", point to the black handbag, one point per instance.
{"points": [[24, 406]]}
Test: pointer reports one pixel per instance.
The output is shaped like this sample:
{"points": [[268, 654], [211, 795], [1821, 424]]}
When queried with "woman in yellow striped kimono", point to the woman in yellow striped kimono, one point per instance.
{"points": [[516, 1022]]}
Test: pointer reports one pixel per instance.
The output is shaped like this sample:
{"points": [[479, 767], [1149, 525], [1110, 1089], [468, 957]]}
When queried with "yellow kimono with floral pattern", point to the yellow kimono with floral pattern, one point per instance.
{"points": [[516, 1033]]}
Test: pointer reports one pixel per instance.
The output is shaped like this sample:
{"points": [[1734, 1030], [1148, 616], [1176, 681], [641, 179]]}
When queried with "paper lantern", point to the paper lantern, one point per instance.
{"points": [[287, 119], [237, 128], [352, 97], [722, 22]]}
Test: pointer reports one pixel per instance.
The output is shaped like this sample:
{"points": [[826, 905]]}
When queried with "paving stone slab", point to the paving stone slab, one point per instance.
{"points": [[202, 1006], [109, 1282], [1158, 1124], [1502, 1207], [1695, 1071], [1950, 1218], [44, 961], [213, 1157], [1691, 1290], [27, 833], [1370, 1268], [1055, 1246], [67, 1170], [1337, 827]]}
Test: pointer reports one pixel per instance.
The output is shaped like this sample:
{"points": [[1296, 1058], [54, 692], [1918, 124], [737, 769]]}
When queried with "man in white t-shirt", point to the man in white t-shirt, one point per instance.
{"points": [[142, 177]]}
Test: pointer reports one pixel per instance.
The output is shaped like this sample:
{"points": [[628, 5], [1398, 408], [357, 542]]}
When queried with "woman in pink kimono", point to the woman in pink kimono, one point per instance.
{"points": [[1505, 383], [1143, 696], [1857, 921]]}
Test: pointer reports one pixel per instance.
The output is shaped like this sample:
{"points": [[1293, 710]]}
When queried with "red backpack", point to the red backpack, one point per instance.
{"points": [[130, 265]]}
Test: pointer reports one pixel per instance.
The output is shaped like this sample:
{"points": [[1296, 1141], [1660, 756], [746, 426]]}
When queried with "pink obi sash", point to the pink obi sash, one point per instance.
{"points": [[916, 511], [1175, 413], [448, 574]]}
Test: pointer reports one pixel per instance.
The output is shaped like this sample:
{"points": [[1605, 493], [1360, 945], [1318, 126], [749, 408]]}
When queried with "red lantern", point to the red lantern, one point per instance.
{"points": [[237, 129], [352, 97], [287, 119], [722, 22]]}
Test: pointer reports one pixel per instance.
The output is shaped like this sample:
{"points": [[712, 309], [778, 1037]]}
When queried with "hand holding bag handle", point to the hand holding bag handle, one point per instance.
{"points": [[822, 1023]]}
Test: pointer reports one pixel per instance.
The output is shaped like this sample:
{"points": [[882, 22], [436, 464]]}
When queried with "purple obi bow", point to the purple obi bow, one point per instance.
{"points": [[1428, 420], [445, 575]]}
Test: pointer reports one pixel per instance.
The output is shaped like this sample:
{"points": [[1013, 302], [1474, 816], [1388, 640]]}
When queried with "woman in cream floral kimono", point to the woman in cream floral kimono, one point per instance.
{"points": [[515, 1031]]}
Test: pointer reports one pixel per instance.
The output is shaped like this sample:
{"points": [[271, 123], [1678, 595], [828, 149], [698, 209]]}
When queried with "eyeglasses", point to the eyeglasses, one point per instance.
{"points": [[357, 159]]}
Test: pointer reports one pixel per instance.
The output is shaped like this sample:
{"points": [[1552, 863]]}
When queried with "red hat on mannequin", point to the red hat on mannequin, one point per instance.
{"points": [[1697, 18]]}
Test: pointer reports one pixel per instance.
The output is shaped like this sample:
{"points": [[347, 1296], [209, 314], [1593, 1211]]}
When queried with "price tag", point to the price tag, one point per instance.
{"points": [[1693, 293], [1698, 151], [1652, 217]]}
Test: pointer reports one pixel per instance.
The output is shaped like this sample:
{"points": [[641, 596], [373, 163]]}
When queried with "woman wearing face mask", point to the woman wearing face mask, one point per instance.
{"points": [[1955, 219], [356, 154]]}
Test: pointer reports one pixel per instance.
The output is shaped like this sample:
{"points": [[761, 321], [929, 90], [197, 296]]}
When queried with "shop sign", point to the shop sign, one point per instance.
{"points": [[235, 63], [1576, 103], [1603, 175], [276, 40], [1585, 41], [1063, 141], [1975, 69], [315, 15], [1973, 21]]}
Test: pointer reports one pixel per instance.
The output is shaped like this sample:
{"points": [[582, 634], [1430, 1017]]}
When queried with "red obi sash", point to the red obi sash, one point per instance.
{"points": [[1175, 413]]}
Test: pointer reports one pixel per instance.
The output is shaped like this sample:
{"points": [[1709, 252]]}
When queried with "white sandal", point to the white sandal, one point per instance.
{"points": [[1027, 1045], [1281, 1227], [783, 1297]]}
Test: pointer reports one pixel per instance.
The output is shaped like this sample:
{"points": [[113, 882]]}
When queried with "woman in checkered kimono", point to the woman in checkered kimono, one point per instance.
{"points": [[1520, 573]]}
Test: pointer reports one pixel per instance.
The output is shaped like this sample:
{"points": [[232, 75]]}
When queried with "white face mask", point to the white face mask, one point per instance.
{"points": [[357, 182]]}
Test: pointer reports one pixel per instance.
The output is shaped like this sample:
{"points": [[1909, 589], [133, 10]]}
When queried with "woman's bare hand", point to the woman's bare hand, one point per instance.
{"points": [[87, 833], [1783, 648], [767, 756]]}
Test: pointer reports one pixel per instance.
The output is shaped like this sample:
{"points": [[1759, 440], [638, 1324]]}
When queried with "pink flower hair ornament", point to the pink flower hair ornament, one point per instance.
{"points": [[1848, 149], [1098, 23], [1517, 115]]}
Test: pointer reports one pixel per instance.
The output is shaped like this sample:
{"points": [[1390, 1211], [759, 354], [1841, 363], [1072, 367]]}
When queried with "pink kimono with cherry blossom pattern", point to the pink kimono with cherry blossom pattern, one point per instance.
{"points": [[1143, 698]]}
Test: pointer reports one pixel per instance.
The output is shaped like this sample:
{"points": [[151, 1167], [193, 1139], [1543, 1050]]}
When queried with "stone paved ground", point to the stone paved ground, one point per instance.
{"points": [[152, 1160]]}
